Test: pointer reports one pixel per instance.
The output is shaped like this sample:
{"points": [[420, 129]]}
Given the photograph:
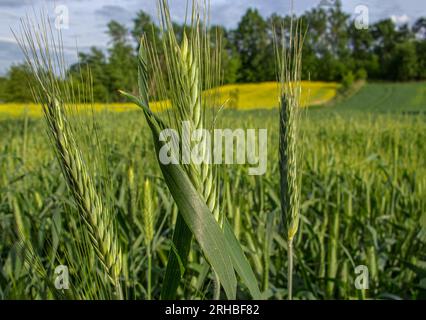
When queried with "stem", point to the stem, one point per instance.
{"points": [[290, 269], [149, 271], [216, 283], [119, 291]]}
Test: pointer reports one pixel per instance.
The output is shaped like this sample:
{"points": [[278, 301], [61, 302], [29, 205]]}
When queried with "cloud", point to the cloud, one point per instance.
{"points": [[402, 19], [222, 12], [113, 12], [7, 39], [13, 3], [23, 3], [10, 53], [383, 9]]}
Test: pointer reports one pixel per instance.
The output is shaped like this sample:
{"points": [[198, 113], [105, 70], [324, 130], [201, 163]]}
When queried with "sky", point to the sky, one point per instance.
{"points": [[88, 18]]}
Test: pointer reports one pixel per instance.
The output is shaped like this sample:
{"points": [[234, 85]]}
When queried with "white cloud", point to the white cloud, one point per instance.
{"points": [[401, 19], [7, 39]]}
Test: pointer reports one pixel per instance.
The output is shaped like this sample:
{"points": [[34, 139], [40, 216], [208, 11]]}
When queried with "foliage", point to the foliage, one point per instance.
{"points": [[15, 87], [333, 48], [348, 80]]}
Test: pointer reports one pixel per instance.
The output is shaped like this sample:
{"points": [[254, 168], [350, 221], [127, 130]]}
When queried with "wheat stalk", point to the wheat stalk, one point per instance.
{"points": [[289, 60], [148, 213], [44, 55], [202, 174], [98, 219], [189, 72], [191, 68], [148, 220]]}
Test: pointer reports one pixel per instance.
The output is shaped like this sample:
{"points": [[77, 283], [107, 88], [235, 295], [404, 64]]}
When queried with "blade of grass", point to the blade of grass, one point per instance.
{"points": [[240, 262], [182, 238]]}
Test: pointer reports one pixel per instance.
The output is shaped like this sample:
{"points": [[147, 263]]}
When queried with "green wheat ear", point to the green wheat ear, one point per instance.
{"points": [[98, 219], [192, 66], [44, 55], [190, 72], [289, 61]]}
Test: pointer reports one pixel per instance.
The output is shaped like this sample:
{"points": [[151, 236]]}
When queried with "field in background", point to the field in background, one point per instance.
{"points": [[363, 198], [264, 95], [408, 98], [236, 96]]}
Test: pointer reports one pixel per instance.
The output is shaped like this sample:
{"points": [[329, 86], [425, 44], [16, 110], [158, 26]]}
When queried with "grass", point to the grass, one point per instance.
{"points": [[387, 98]]}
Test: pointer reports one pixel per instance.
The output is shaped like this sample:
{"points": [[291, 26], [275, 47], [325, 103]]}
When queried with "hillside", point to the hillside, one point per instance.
{"points": [[387, 97]]}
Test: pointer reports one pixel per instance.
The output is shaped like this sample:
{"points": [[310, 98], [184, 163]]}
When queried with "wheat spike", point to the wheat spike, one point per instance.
{"points": [[190, 72], [98, 219], [289, 60], [44, 55]]}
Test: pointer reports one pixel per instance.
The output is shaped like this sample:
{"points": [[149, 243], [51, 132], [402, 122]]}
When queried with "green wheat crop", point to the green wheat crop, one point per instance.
{"points": [[289, 63]]}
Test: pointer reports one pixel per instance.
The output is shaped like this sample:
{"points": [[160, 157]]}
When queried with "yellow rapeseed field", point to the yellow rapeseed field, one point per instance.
{"points": [[264, 95], [235, 96]]}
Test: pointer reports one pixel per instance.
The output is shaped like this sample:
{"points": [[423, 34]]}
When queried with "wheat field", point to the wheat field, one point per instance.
{"points": [[363, 203], [343, 197]]}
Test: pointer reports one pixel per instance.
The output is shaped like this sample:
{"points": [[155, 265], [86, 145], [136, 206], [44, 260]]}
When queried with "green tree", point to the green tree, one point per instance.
{"points": [[94, 62], [144, 26], [230, 58], [122, 61], [404, 62], [315, 45], [361, 43], [338, 60], [337, 31], [419, 28], [385, 38], [326, 54], [421, 59], [252, 43], [2, 88], [419, 31], [348, 80], [16, 87]]}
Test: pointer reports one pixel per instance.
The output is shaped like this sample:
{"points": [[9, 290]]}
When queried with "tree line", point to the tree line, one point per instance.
{"points": [[334, 50]]}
